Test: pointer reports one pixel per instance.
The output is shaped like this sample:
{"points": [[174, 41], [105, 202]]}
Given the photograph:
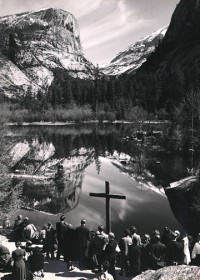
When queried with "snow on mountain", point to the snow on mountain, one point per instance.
{"points": [[135, 55], [34, 44]]}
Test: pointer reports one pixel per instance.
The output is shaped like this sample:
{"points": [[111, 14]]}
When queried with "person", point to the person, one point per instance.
{"points": [[29, 231], [110, 254], [18, 221], [61, 228], [196, 252], [83, 241], [186, 250], [135, 257], [157, 253], [101, 239], [5, 257], [165, 239], [6, 223], [18, 228], [49, 241], [36, 262], [174, 251], [134, 235], [104, 274], [19, 268], [124, 244], [145, 252], [70, 247]]}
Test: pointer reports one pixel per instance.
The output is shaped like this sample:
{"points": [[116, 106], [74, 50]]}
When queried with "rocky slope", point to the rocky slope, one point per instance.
{"points": [[181, 44], [182, 272], [33, 44], [129, 60]]}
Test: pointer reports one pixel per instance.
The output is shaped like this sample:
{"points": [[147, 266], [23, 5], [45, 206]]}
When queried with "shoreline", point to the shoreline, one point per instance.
{"points": [[41, 123]]}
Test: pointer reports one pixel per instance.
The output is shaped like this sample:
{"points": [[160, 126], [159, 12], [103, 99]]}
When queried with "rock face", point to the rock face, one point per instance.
{"points": [[33, 44], [182, 272], [129, 60], [181, 44]]}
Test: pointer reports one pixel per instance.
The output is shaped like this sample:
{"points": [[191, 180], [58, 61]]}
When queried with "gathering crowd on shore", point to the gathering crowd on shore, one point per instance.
{"points": [[94, 250]]}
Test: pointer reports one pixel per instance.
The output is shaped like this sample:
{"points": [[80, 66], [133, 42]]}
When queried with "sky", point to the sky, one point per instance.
{"points": [[107, 27]]}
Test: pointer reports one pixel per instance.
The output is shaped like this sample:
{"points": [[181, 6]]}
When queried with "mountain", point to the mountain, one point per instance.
{"points": [[34, 44], [129, 60], [181, 44]]}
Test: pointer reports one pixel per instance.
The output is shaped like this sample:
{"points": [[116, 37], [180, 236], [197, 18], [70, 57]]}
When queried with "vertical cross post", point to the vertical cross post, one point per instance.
{"points": [[108, 215], [108, 196]]}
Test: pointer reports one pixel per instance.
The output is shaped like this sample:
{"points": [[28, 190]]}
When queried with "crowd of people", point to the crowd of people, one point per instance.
{"points": [[97, 250]]}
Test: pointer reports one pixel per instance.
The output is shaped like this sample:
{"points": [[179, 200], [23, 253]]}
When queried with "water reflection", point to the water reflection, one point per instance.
{"points": [[90, 156]]}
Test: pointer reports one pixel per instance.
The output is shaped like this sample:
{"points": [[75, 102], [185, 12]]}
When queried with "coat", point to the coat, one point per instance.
{"points": [[19, 268], [174, 253]]}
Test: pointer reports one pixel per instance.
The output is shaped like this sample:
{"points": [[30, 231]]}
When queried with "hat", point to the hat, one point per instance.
{"points": [[83, 221], [111, 235], [100, 228], [173, 234], [146, 236], [26, 219], [62, 217], [49, 224], [177, 233]]}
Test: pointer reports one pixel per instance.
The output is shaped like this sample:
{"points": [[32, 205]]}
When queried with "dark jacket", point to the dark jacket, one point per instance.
{"points": [[61, 227], [110, 250], [83, 234], [174, 253], [36, 261]]}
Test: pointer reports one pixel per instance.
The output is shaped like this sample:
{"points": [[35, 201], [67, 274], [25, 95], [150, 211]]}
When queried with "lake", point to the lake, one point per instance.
{"points": [[91, 155]]}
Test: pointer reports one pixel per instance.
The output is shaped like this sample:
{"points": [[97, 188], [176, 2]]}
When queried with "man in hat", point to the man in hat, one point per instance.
{"points": [[110, 253], [61, 228], [174, 251], [83, 243]]}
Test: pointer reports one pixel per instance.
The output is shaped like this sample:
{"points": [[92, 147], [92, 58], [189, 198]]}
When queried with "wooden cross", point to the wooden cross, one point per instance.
{"points": [[108, 196]]}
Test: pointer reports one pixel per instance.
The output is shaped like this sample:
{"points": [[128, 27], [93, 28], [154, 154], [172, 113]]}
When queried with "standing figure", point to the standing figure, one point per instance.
{"points": [[145, 252], [70, 244], [124, 244], [49, 241], [19, 268], [157, 253], [18, 228], [134, 235], [166, 237], [61, 228], [83, 241], [186, 250], [101, 239], [135, 257], [174, 252], [110, 254], [196, 252]]}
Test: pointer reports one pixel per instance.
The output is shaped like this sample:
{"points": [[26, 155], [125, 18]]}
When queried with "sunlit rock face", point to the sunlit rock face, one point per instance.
{"points": [[32, 44], [129, 60], [37, 166]]}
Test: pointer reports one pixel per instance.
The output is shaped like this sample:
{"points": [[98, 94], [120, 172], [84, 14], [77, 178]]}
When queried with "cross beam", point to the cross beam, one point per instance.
{"points": [[108, 196]]}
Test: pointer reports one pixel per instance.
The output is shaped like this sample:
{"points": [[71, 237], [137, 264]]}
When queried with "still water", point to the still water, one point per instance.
{"points": [[90, 156]]}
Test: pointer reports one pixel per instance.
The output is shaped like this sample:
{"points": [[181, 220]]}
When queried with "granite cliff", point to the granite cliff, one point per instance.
{"points": [[34, 44]]}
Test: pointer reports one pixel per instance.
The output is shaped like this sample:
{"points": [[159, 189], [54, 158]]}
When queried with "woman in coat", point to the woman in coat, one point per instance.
{"points": [[19, 268]]}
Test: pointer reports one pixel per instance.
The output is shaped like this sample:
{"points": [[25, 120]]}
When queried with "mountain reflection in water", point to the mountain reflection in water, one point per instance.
{"points": [[90, 156]]}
